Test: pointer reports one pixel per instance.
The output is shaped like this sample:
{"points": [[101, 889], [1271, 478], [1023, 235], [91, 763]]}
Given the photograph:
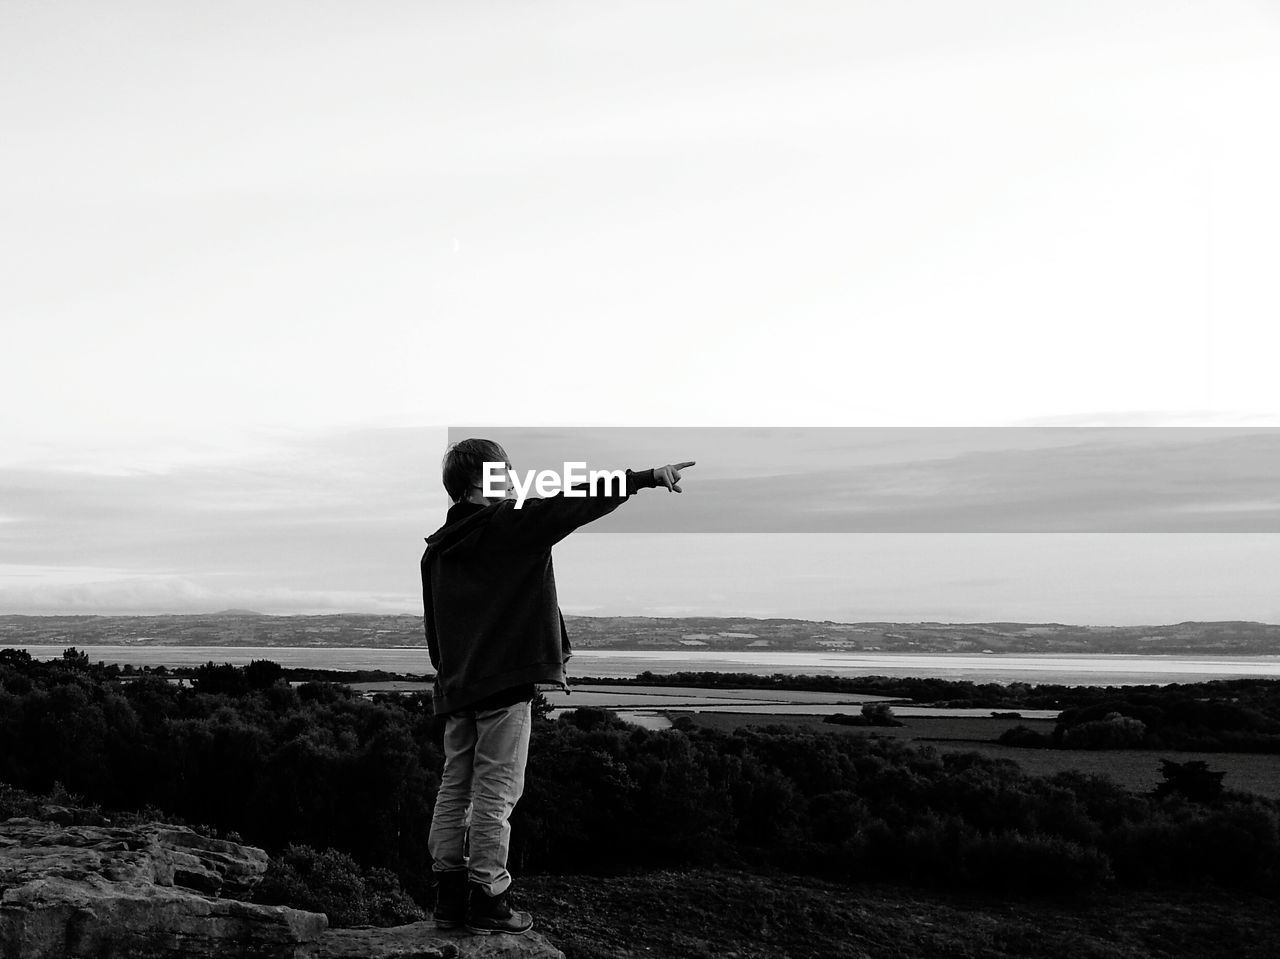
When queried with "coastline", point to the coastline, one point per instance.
{"points": [[1065, 669]]}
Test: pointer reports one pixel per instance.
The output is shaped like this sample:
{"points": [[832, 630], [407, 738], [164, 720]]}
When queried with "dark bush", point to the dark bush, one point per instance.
{"points": [[879, 714], [588, 718], [1115, 731], [1012, 862], [332, 882], [224, 679], [262, 674], [1191, 780], [1026, 737]]}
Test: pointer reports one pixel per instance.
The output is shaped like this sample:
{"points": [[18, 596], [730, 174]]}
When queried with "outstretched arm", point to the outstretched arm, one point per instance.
{"points": [[544, 522]]}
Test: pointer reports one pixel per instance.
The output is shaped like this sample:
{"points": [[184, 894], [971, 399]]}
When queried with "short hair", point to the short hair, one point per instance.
{"points": [[463, 465]]}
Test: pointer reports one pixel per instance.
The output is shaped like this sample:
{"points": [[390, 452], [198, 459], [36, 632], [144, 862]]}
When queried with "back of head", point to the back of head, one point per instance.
{"points": [[463, 465]]}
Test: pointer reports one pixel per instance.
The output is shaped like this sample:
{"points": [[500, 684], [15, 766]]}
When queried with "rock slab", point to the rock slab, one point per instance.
{"points": [[421, 940], [159, 891], [150, 890]]}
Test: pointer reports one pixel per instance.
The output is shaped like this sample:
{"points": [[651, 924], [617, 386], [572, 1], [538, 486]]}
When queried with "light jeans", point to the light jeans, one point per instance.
{"points": [[484, 758]]}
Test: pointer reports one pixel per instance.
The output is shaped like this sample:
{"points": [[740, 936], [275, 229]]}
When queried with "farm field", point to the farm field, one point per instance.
{"points": [[620, 693], [654, 696], [1136, 769], [645, 705], [655, 707]]}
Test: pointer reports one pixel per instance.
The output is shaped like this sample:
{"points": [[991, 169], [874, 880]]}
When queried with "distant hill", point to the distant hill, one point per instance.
{"points": [[248, 628], [1214, 638]]}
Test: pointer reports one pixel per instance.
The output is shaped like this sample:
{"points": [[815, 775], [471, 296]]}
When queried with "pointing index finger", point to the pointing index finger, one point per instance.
{"points": [[681, 466]]}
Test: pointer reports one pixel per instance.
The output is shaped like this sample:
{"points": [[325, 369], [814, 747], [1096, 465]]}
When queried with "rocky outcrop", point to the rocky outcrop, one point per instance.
{"points": [[158, 891], [148, 890]]}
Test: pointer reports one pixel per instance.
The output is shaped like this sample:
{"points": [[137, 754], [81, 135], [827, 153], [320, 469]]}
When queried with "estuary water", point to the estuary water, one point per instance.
{"points": [[1071, 670]]}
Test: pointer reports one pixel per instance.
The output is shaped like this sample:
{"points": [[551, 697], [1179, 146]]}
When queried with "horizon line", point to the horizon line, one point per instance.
{"points": [[760, 619]]}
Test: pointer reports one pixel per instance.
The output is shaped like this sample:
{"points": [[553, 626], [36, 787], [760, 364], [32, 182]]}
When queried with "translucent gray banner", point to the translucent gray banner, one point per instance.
{"points": [[925, 479]]}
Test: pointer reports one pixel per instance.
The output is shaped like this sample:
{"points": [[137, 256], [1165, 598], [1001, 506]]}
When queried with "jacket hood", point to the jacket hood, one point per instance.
{"points": [[461, 521]]}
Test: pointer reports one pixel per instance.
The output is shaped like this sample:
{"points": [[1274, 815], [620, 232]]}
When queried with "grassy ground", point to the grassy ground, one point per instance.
{"points": [[704, 914]]}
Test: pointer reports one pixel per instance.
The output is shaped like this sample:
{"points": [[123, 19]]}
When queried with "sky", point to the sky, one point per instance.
{"points": [[256, 260]]}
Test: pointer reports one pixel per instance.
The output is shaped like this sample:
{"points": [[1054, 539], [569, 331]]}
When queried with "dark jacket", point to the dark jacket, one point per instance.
{"points": [[489, 601]]}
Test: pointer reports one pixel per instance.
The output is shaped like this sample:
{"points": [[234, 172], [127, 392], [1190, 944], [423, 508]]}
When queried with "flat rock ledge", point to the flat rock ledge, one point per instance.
{"points": [[159, 891], [421, 940]]}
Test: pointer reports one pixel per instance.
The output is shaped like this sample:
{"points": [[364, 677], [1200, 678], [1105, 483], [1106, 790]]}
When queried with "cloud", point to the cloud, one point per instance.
{"points": [[859, 480], [1150, 418], [319, 521], [341, 496], [335, 521], [1095, 578], [144, 595]]}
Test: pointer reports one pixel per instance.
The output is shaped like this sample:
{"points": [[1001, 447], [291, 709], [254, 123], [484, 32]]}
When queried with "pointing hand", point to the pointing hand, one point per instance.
{"points": [[669, 475]]}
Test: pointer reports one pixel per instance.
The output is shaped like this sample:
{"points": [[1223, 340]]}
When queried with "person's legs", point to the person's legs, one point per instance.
{"points": [[501, 751], [447, 839], [445, 842]]}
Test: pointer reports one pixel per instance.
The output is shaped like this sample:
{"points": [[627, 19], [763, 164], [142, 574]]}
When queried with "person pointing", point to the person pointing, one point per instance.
{"points": [[494, 630]]}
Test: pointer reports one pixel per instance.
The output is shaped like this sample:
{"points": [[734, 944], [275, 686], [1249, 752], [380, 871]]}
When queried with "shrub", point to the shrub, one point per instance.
{"points": [[879, 714], [588, 718], [1191, 780], [331, 882], [1026, 737], [1035, 864], [1116, 731], [844, 719], [223, 679], [262, 674]]}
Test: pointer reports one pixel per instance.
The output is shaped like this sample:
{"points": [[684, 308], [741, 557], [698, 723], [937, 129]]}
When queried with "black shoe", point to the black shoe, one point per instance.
{"points": [[489, 914], [451, 899]]}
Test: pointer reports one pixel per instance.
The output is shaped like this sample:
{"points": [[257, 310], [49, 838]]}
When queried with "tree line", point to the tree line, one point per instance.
{"points": [[316, 767], [1172, 718]]}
